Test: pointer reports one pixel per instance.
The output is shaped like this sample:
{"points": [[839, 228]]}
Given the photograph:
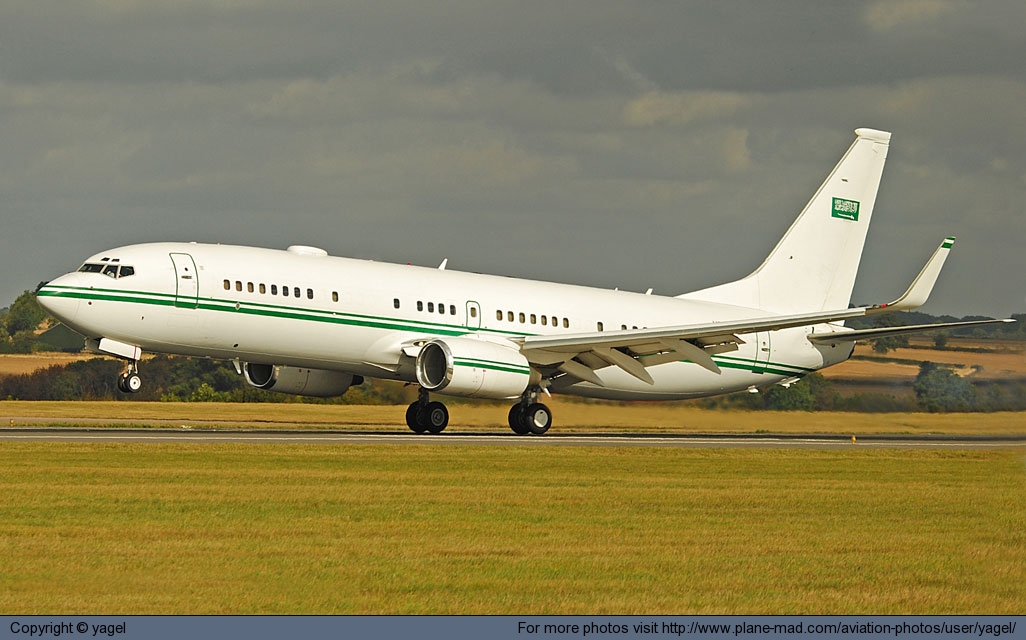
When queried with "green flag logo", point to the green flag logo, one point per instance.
{"points": [[845, 209]]}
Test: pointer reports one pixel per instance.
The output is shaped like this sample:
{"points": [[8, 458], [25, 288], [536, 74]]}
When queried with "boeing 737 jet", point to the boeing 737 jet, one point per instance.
{"points": [[302, 322]]}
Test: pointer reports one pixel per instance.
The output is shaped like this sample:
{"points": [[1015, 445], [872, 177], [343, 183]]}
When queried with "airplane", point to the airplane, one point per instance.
{"points": [[302, 322]]}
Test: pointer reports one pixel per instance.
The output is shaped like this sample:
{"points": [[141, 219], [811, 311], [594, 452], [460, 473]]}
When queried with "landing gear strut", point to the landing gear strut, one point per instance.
{"points": [[129, 380], [529, 415], [426, 416]]}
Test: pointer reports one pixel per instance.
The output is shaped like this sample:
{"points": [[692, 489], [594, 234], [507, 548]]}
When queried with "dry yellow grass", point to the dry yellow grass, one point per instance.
{"points": [[260, 529], [12, 364], [1003, 360], [569, 416]]}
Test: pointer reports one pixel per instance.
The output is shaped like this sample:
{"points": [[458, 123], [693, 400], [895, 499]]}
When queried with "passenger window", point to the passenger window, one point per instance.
{"points": [[509, 316], [452, 309], [263, 288], [295, 291], [274, 289], [473, 312], [522, 318], [498, 314], [534, 319], [309, 294], [599, 325], [238, 285], [227, 285], [420, 305], [431, 307], [566, 323], [285, 291], [249, 287], [545, 321], [334, 296], [623, 327], [395, 302], [441, 307]]}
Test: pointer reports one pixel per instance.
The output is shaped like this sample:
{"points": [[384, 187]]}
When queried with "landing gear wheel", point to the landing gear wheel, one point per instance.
{"points": [[411, 418], [516, 420], [434, 417], [537, 418], [129, 383]]}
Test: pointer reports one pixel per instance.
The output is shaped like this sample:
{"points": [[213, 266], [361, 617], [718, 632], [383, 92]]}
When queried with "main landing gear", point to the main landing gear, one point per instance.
{"points": [[529, 415], [424, 416], [526, 417], [129, 380]]}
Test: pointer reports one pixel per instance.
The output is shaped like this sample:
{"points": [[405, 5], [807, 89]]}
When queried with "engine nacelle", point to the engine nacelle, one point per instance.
{"points": [[472, 368], [299, 381]]}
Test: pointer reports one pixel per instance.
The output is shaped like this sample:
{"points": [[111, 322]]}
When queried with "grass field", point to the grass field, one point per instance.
{"points": [[569, 416], [126, 528]]}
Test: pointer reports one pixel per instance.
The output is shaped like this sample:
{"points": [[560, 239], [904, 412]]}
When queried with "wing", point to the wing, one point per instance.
{"points": [[580, 355]]}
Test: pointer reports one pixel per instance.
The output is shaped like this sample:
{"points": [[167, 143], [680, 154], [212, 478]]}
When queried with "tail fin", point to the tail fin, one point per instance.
{"points": [[813, 267]]}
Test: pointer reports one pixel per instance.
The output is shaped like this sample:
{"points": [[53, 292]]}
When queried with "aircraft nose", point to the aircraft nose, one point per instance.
{"points": [[58, 300]]}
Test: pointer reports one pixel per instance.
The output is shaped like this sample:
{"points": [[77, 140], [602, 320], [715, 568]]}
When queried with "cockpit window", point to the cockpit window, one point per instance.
{"points": [[110, 269]]}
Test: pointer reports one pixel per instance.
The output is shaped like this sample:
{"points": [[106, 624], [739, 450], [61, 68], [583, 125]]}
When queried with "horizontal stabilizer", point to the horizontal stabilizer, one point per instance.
{"points": [[883, 332]]}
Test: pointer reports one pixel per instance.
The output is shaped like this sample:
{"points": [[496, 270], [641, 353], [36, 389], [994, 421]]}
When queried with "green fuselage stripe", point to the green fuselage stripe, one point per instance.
{"points": [[367, 321]]}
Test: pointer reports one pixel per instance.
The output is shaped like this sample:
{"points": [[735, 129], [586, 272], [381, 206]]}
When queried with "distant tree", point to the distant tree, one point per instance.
{"points": [[795, 398], [889, 343], [940, 339], [25, 314], [940, 389]]}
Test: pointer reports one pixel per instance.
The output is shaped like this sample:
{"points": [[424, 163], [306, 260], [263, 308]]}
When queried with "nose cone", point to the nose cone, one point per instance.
{"points": [[59, 299]]}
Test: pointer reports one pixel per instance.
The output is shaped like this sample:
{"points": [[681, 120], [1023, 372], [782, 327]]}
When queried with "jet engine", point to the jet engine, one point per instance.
{"points": [[473, 368], [299, 381]]}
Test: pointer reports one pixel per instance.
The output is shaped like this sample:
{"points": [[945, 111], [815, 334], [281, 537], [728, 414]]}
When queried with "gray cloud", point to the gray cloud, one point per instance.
{"points": [[613, 144]]}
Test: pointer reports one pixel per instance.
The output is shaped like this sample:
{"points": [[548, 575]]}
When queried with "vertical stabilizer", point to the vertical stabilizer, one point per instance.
{"points": [[813, 267]]}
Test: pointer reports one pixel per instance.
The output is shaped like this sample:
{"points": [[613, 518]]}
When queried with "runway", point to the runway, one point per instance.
{"points": [[335, 437]]}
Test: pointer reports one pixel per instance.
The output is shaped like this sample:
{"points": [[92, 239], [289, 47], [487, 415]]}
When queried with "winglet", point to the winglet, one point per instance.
{"points": [[920, 289]]}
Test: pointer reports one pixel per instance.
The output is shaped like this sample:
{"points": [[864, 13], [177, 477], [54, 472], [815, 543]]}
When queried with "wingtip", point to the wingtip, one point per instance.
{"points": [[874, 134]]}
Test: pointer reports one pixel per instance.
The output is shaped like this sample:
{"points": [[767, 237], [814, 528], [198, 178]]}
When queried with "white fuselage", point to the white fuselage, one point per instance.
{"points": [[230, 303]]}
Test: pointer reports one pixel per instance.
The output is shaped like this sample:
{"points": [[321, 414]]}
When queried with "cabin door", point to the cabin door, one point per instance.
{"points": [[186, 281], [762, 351], [473, 315]]}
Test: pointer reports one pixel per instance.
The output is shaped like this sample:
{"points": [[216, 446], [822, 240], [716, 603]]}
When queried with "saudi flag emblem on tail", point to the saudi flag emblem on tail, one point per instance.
{"points": [[845, 209]]}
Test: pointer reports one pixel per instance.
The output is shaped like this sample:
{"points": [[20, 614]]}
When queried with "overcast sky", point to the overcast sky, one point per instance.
{"points": [[625, 144]]}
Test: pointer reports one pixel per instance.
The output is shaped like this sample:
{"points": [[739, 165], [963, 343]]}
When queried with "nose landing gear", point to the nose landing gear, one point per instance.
{"points": [[129, 380]]}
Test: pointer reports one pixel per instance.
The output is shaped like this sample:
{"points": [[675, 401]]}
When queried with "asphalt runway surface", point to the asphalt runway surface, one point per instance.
{"points": [[188, 434]]}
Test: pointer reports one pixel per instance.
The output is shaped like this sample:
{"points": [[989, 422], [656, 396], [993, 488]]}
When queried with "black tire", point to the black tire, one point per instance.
{"points": [[537, 418], [411, 418], [122, 387], [516, 420], [434, 417], [133, 383]]}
